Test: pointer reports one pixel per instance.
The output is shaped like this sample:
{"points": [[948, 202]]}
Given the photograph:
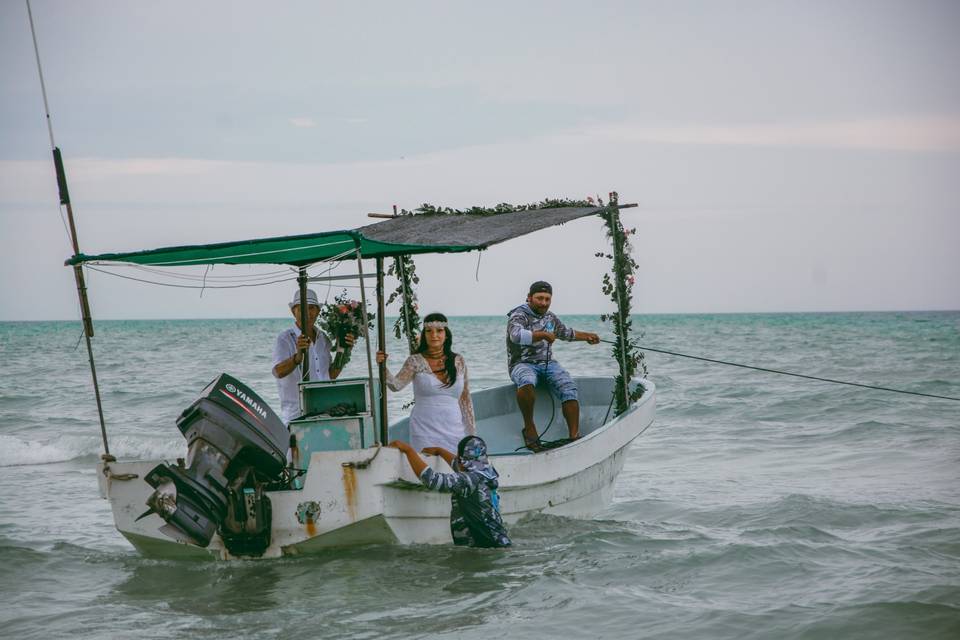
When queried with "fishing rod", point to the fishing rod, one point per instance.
{"points": [[77, 269], [788, 373]]}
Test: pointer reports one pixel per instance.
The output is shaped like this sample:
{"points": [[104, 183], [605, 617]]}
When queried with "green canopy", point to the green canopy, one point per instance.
{"points": [[398, 236], [293, 250]]}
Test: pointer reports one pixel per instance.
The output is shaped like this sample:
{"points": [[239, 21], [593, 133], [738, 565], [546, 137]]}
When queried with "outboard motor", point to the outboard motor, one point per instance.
{"points": [[236, 449]]}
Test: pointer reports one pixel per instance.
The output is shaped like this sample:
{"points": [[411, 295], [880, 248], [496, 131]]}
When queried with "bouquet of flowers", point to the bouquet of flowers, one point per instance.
{"points": [[339, 318]]}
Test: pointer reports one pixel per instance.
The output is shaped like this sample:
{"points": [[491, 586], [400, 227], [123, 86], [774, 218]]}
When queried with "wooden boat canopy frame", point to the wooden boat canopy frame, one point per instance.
{"points": [[397, 236]]}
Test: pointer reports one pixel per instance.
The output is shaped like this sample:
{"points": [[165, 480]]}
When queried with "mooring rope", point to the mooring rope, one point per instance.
{"points": [[795, 375]]}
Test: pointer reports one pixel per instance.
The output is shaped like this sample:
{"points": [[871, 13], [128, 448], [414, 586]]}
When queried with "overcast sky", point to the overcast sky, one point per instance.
{"points": [[786, 156]]}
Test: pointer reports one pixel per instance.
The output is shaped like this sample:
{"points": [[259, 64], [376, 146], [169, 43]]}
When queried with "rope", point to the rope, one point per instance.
{"points": [[195, 277], [260, 253], [108, 472], [363, 464], [795, 375], [43, 87], [254, 280], [204, 286], [66, 229], [202, 261], [553, 413], [46, 107], [189, 286]]}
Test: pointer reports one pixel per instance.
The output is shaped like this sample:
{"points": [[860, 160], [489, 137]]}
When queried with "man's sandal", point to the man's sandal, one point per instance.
{"points": [[533, 444]]}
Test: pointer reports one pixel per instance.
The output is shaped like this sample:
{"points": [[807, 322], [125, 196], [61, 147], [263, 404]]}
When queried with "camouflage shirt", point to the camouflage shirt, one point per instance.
{"points": [[520, 327], [475, 511]]}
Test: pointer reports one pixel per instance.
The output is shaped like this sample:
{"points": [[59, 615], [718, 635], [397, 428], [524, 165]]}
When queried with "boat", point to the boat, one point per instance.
{"points": [[234, 495], [370, 495]]}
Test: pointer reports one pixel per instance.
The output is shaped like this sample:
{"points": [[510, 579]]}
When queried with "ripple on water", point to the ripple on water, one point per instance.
{"points": [[757, 506]]}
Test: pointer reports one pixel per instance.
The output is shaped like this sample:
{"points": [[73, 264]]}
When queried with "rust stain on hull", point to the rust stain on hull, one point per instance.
{"points": [[350, 491]]}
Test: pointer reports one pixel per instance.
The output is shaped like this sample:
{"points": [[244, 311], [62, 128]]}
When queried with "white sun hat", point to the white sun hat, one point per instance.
{"points": [[311, 298]]}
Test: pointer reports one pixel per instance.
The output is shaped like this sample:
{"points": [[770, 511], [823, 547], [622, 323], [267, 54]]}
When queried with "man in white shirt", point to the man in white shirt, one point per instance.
{"points": [[288, 354]]}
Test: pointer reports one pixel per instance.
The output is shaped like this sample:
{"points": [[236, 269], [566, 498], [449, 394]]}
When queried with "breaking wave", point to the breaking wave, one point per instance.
{"points": [[16, 452]]}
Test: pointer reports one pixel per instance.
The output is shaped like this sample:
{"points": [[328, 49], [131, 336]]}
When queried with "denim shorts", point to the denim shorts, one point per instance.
{"points": [[524, 373]]}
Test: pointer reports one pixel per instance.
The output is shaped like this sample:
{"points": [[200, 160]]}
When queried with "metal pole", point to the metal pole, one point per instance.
{"points": [[77, 269], [366, 337], [304, 318], [614, 214], [382, 346]]}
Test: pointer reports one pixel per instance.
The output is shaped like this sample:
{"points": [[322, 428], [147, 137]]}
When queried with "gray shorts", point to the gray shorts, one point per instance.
{"points": [[525, 373]]}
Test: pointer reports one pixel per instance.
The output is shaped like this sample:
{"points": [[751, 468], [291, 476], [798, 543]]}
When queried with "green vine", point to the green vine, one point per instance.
{"points": [[618, 284], [549, 203], [405, 271]]}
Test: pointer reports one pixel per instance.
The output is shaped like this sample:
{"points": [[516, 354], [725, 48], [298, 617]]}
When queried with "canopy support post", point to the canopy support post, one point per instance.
{"points": [[366, 338], [304, 330], [614, 214], [382, 346]]}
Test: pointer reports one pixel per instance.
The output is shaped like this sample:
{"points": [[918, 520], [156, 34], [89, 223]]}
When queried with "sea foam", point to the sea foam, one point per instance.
{"points": [[15, 451]]}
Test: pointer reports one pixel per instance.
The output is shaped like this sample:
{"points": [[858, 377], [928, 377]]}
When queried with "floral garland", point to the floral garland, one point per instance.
{"points": [[618, 284], [548, 203], [404, 269]]}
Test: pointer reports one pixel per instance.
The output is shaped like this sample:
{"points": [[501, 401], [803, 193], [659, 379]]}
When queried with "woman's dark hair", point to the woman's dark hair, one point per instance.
{"points": [[449, 357]]}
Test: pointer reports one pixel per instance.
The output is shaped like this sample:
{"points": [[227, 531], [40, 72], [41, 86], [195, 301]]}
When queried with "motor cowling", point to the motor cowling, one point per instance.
{"points": [[236, 448]]}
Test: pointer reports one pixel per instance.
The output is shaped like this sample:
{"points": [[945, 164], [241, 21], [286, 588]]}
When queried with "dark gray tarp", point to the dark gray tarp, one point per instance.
{"points": [[414, 234], [476, 231]]}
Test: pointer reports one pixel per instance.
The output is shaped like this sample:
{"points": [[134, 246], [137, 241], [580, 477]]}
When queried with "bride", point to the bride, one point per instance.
{"points": [[443, 411]]}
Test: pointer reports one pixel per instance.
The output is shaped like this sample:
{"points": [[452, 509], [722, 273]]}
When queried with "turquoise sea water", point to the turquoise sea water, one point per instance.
{"points": [[757, 506]]}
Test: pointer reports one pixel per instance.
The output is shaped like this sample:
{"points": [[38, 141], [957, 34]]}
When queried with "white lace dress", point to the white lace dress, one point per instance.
{"points": [[441, 416]]}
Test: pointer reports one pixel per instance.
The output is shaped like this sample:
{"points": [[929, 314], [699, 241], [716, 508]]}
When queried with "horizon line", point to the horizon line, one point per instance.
{"points": [[497, 315]]}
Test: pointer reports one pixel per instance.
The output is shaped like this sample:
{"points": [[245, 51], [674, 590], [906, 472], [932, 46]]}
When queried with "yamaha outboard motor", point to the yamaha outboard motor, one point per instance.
{"points": [[236, 450]]}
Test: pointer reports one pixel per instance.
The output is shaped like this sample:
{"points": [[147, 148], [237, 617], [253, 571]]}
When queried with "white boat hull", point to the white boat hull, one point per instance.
{"points": [[370, 496]]}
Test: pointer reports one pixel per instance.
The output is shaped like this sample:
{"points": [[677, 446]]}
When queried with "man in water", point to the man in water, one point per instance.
{"points": [[531, 331], [288, 354], [475, 507]]}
